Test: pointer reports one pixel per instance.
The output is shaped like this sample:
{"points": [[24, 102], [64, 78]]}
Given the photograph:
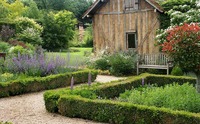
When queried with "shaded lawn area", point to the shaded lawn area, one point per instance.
{"points": [[77, 58]]}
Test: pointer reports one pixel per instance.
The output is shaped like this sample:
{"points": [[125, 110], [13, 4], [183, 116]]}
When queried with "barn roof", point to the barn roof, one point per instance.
{"points": [[98, 3]]}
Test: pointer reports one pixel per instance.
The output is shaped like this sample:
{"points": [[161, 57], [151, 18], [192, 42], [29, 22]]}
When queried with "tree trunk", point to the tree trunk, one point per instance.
{"points": [[198, 83]]}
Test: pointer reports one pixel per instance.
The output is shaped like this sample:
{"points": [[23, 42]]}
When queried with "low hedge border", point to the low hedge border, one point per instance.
{"points": [[119, 112], [44, 83]]}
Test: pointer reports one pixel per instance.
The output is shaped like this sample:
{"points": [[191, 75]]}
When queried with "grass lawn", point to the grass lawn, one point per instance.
{"points": [[76, 58]]}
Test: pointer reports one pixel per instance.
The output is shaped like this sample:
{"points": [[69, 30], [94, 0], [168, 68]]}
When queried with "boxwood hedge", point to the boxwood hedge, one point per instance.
{"points": [[100, 109], [44, 83]]}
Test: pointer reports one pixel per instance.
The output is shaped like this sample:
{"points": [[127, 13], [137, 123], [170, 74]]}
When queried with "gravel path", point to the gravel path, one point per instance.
{"points": [[30, 109]]}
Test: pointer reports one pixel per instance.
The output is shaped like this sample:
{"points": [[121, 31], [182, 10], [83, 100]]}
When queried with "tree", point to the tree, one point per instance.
{"points": [[32, 10], [51, 4], [183, 45], [174, 5], [78, 7], [15, 9], [58, 29]]}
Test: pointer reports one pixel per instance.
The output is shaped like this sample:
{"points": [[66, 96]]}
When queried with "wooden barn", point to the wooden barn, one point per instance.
{"points": [[125, 25]]}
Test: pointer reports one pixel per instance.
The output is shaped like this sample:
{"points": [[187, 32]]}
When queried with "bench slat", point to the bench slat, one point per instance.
{"points": [[153, 61]]}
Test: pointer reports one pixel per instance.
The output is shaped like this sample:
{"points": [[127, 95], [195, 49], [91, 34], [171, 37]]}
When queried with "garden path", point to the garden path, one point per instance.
{"points": [[30, 109]]}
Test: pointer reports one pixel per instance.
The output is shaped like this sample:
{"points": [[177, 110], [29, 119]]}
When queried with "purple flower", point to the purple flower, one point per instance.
{"points": [[72, 83], [89, 79], [142, 81]]}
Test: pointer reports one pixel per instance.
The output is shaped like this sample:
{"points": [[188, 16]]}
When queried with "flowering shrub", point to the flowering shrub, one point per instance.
{"points": [[183, 45], [182, 40], [36, 64]]}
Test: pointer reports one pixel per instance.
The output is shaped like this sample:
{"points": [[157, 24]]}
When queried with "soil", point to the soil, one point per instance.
{"points": [[30, 109]]}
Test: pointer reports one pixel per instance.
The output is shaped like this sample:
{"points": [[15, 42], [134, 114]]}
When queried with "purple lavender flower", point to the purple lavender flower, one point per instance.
{"points": [[72, 83], [142, 81], [89, 79]]}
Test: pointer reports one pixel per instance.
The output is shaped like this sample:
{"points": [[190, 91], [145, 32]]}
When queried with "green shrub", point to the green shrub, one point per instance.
{"points": [[120, 63], [4, 46], [74, 105], [88, 37], [22, 23], [43, 83], [113, 89], [30, 35], [122, 113], [19, 49], [102, 64], [173, 96], [177, 71]]}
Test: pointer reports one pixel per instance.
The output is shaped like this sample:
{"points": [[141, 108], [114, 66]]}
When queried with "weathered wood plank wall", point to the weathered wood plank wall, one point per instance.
{"points": [[111, 23]]}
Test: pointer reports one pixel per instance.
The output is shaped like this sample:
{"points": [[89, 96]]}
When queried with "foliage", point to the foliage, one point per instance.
{"points": [[182, 40], [170, 6], [35, 84], [36, 64], [15, 42], [32, 10], [78, 8], [182, 44], [120, 63], [184, 14], [12, 10], [58, 29], [4, 46], [30, 35], [110, 111], [23, 23], [186, 97], [51, 4], [6, 33], [88, 37], [19, 49], [6, 77], [87, 40], [177, 71], [4, 11], [102, 63]]}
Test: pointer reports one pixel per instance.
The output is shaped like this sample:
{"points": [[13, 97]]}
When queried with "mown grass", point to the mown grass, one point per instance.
{"points": [[75, 58]]}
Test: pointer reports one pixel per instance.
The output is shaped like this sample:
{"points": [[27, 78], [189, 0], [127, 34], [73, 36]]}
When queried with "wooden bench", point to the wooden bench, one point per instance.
{"points": [[154, 61]]}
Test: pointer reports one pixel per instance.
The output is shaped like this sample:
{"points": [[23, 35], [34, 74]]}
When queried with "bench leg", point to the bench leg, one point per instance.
{"points": [[167, 68]]}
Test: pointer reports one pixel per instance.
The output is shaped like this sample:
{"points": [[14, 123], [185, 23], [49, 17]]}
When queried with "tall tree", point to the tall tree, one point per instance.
{"points": [[58, 29], [78, 7]]}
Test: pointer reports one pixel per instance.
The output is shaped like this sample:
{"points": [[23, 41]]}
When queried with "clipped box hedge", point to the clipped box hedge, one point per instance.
{"points": [[104, 110], [44, 83], [121, 112]]}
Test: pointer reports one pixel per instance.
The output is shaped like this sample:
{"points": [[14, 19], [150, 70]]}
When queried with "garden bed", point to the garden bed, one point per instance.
{"points": [[96, 102], [44, 83]]}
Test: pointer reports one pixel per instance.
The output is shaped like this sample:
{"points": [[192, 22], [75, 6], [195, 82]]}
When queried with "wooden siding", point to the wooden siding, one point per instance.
{"points": [[111, 22]]}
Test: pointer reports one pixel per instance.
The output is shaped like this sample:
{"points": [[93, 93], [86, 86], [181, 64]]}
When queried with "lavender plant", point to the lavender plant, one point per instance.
{"points": [[36, 64]]}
